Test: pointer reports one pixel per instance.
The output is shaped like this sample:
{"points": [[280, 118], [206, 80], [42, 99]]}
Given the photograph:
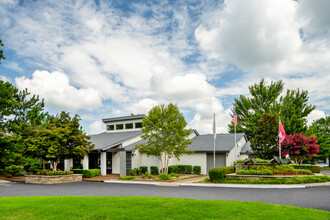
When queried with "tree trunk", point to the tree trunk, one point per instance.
{"points": [[161, 162], [43, 164]]}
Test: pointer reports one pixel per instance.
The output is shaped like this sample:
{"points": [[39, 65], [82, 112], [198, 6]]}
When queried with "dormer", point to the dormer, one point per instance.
{"points": [[126, 123]]}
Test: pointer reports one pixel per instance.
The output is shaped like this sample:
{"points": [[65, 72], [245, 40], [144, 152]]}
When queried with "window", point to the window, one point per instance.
{"points": [[119, 127], [110, 127], [129, 126], [138, 125]]}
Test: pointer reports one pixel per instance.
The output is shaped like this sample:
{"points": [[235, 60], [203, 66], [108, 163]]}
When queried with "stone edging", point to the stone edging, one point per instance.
{"points": [[53, 179]]}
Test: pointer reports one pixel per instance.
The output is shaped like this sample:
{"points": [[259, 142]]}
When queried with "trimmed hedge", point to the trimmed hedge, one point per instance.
{"points": [[220, 172], [197, 170], [183, 169], [303, 171], [154, 170], [143, 169], [87, 173], [254, 172], [313, 168]]}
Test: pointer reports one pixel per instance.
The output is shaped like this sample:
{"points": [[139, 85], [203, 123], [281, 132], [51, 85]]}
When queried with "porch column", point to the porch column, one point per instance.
{"points": [[86, 162], [103, 164], [122, 166], [67, 164]]}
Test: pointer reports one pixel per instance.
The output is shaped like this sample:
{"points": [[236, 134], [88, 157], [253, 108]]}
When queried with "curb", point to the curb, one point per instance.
{"points": [[248, 186], [131, 182]]}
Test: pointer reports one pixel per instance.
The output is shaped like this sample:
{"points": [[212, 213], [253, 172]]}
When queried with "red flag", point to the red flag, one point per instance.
{"points": [[235, 119], [281, 133]]}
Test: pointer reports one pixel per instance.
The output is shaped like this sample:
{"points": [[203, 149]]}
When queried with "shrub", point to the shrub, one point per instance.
{"points": [[87, 173], [14, 170], [173, 175], [126, 177], [284, 169], [254, 172], [314, 169], [163, 176], [303, 171], [197, 170], [261, 160], [239, 161], [173, 169], [138, 171], [261, 167], [154, 170], [220, 172], [52, 173], [143, 169], [132, 172]]}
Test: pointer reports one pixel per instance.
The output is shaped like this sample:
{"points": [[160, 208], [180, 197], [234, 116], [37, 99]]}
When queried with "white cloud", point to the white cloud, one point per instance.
{"points": [[5, 78], [314, 115], [142, 107], [96, 127], [55, 88], [13, 66]]}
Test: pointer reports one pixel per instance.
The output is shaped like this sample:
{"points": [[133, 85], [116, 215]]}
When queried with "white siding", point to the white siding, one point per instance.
{"points": [[231, 155], [195, 159]]}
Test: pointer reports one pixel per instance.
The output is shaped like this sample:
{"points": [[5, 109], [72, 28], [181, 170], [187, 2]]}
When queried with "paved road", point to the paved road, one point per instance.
{"points": [[315, 197]]}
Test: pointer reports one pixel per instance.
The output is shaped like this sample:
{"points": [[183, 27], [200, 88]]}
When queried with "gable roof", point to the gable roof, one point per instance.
{"points": [[223, 142], [204, 143], [124, 118], [108, 139]]}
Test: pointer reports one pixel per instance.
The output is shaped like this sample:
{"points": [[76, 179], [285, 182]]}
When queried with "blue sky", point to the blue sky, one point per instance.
{"points": [[103, 59]]}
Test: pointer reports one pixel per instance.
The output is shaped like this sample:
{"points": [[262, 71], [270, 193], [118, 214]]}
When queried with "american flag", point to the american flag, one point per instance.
{"points": [[235, 119]]}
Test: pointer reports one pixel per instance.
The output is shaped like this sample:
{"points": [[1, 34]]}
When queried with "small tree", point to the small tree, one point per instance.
{"points": [[265, 137], [164, 130], [299, 147], [60, 138]]}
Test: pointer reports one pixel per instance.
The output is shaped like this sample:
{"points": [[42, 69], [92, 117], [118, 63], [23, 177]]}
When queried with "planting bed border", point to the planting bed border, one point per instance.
{"points": [[237, 176], [54, 179]]}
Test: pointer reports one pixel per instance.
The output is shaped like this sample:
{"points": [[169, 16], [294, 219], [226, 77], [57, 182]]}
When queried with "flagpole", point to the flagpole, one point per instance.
{"points": [[214, 136], [235, 146], [279, 145]]}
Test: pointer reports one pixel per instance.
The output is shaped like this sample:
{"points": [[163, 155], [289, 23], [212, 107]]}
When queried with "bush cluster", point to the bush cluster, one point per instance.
{"points": [[220, 173], [154, 170], [126, 177], [143, 169], [148, 175], [87, 173], [184, 169], [13, 170], [254, 172], [197, 170], [313, 168], [53, 173], [165, 176], [303, 171]]}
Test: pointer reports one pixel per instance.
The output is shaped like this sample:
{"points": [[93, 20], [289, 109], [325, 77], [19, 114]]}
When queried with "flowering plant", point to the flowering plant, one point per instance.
{"points": [[299, 147]]}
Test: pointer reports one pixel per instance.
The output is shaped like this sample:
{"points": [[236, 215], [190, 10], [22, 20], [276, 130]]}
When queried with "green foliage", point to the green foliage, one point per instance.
{"points": [[132, 172], [293, 108], [53, 173], [143, 169], [197, 170], [126, 177], [265, 137], [320, 129], [184, 169], [173, 169], [164, 130], [154, 170], [1, 51], [254, 172], [303, 171], [261, 160], [148, 175], [291, 180], [14, 170], [87, 173], [220, 173], [314, 169], [60, 138], [164, 176]]}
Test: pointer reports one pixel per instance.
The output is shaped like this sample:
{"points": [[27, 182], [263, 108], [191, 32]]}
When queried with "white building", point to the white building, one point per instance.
{"points": [[114, 149]]}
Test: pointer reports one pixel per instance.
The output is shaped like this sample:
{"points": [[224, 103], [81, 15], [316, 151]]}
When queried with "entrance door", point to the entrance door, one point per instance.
{"points": [[109, 162], [128, 162], [94, 160]]}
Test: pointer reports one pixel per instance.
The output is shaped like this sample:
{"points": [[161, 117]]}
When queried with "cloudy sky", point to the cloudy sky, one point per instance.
{"points": [[103, 59]]}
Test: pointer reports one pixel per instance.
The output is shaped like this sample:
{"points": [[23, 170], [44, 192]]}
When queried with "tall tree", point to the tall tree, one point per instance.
{"points": [[265, 137], [1, 51], [292, 108], [61, 138], [320, 129], [164, 130]]}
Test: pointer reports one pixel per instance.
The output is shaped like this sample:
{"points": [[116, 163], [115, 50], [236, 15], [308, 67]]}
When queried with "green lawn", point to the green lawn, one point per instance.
{"points": [[75, 207]]}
